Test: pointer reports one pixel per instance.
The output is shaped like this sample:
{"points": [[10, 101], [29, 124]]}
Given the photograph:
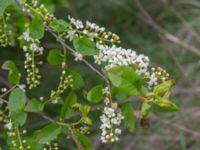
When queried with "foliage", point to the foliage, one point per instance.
{"points": [[123, 72]]}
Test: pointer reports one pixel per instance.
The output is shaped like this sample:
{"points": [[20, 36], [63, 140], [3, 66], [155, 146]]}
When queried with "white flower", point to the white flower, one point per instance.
{"points": [[77, 23], [71, 34], [118, 131], [22, 87], [9, 125], [4, 90], [78, 56], [106, 91], [152, 80], [55, 101]]}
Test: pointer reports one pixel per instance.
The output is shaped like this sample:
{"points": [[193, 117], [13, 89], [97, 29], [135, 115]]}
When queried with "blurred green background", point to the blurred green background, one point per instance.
{"points": [[168, 31]]}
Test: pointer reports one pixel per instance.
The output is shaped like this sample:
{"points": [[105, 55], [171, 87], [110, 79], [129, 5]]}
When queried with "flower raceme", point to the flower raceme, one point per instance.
{"points": [[126, 73]]}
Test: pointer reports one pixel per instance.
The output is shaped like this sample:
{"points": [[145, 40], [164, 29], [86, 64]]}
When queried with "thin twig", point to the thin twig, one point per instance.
{"points": [[165, 33], [72, 51]]}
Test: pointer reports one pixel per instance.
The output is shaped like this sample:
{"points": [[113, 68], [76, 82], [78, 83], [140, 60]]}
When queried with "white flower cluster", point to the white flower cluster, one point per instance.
{"points": [[77, 23], [111, 120], [91, 30], [33, 44], [117, 56], [112, 56], [32, 48]]}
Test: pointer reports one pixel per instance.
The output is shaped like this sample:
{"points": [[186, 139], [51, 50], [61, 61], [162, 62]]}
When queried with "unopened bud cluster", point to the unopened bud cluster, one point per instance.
{"points": [[36, 8], [4, 117], [16, 140], [5, 32], [91, 30], [157, 75], [51, 146], [32, 48], [65, 82]]}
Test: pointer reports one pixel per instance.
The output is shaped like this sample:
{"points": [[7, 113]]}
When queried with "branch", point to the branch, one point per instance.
{"points": [[72, 51]]}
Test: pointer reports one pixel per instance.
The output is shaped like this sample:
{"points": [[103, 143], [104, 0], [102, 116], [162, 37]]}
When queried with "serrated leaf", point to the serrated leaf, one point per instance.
{"points": [[164, 87], [36, 27], [16, 105], [126, 80], [14, 75], [3, 5], [59, 25], [19, 117], [95, 94], [17, 100], [85, 46], [146, 108], [48, 133], [128, 113], [34, 106], [85, 141], [77, 79], [67, 110], [55, 57]]}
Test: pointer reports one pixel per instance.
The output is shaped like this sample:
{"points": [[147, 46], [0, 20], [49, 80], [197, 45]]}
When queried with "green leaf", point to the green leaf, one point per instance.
{"points": [[67, 110], [48, 133], [165, 105], [84, 109], [34, 106], [17, 100], [16, 104], [78, 81], [55, 57], [14, 75], [128, 113], [164, 87], [126, 80], [3, 5], [36, 27], [85, 46], [34, 145], [59, 25], [95, 94], [19, 117], [145, 109], [85, 141]]}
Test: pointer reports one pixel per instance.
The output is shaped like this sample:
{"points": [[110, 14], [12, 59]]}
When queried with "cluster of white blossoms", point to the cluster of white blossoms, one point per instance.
{"points": [[113, 56], [91, 30], [111, 120], [32, 48]]}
